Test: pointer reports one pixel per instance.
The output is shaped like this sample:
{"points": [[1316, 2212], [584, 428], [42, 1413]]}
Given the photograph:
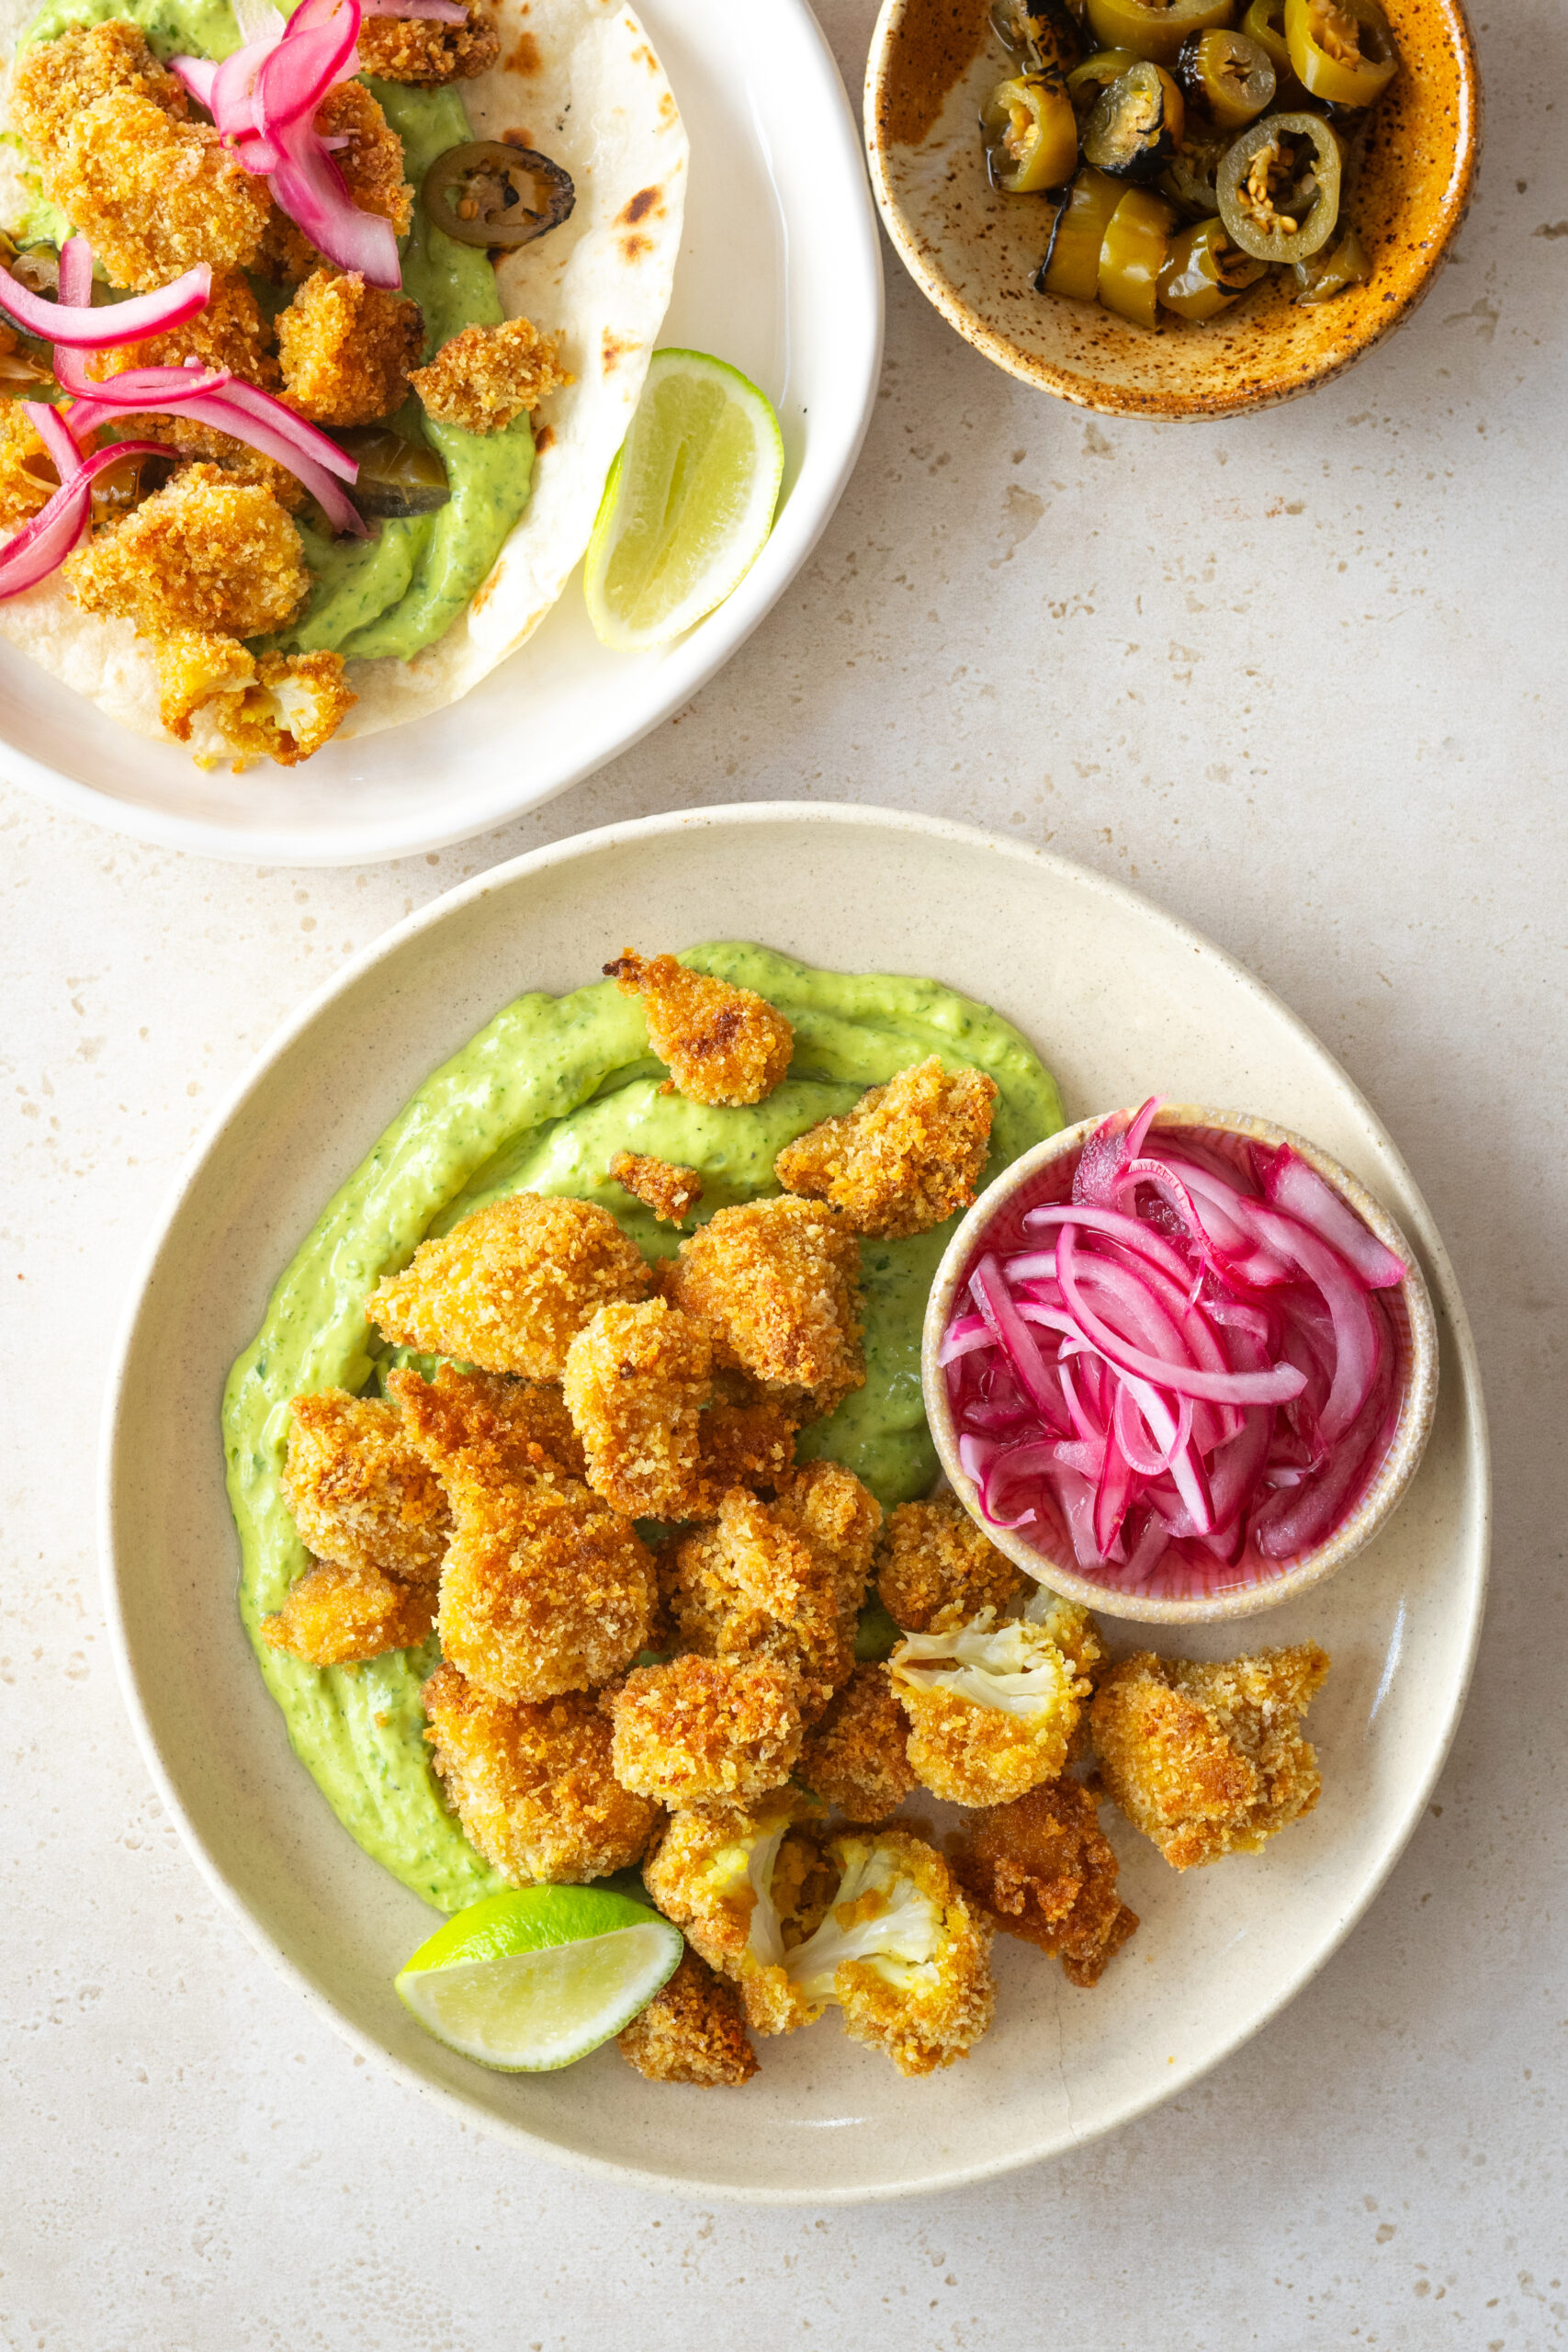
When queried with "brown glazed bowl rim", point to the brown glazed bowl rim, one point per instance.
{"points": [[1412, 1429], [1437, 225]]}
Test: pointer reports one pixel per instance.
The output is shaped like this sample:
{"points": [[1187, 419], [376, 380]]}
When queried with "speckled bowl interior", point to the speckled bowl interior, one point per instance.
{"points": [[974, 250], [1415, 1347]]}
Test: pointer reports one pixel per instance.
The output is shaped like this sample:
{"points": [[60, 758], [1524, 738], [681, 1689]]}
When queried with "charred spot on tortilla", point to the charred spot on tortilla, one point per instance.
{"points": [[640, 205], [610, 352], [634, 247], [523, 56], [544, 440]]}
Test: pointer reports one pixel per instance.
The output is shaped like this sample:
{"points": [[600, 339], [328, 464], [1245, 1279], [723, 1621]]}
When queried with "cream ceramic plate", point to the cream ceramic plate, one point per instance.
{"points": [[780, 273], [1121, 1000]]}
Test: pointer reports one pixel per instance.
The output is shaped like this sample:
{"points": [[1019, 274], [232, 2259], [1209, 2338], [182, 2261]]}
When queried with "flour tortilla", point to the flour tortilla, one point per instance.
{"points": [[581, 80]]}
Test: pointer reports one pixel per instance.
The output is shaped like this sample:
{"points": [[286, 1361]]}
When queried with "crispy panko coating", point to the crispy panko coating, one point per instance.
{"points": [[532, 1784], [335, 1616], [745, 1886], [484, 378], [205, 552], [510, 1288], [231, 333], [543, 1589], [667, 1187], [905, 1158], [933, 1558], [993, 1708], [295, 703], [1207, 1758], [345, 348], [721, 1044], [56, 81], [636, 1381], [842, 1517], [778, 1282], [154, 195], [1045, 1869], [750, 1445], [693, 2029], [418, 48], [702, 1729], [904, 1955], [855, 1758], [362, 1495], [27, 478], [193, 669], [372, 162], [521, 1429]]}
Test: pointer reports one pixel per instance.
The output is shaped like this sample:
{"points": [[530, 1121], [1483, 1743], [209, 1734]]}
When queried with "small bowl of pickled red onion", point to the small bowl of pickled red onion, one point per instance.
{"points": [[1178, 1363]]}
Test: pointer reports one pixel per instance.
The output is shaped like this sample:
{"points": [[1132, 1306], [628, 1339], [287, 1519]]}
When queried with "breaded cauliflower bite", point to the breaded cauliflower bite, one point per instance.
{"points": [[905, 1157], [1206, 1758], [423, 50], [1045, 1870], [777, 1283], [532, 1784], [510, 1288], [371, 161], [521, 1427], [230, 333], [744, 1885], [856, 1756], [291, 706], [720, 1043], [933, 1558], [636, 1381], [56, 81], [702, 1729], [483, 378], [27, 478], [152, 194], [361, 1493], [194, 667], [900, 1950], [992, 1707], [337, 1616], [750, 1445], [667, 1187], [841, 1518], [693, 2029], [345, 348], [206, 552]]}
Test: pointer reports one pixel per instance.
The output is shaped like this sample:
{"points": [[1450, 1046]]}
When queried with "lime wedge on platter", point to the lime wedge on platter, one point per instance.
{"points": [[688, 503], [535, 1979]]}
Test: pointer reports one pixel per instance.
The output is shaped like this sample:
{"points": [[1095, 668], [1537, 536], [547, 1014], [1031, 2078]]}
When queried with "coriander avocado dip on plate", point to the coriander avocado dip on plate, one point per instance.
{"points": [[540, 1101]]}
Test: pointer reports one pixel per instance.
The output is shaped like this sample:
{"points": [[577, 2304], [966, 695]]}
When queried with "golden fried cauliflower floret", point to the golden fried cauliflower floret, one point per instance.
{"points": [[744, 1885], [56, 81], [841, 1518], [856, 1757], [543, 1589], [510, 1288], [777, 1283], [484, 378], [635, 1383], [372, 162], [933, 1558], [750, 1445], [345, 348], [900, 1950], [296, 703], [721, 1044], [761, 1585], [194, 667], [230, 333], [693, 2029], [336, 1616], [1207, 1758], [154, 195], [521, 1427], [205, 552], [667, 1187], [1044, 1869], [27, 478], [992, 1707], [361, 1494], [702, 1729], [421, 50], [532, 1784], [905, 1158]]}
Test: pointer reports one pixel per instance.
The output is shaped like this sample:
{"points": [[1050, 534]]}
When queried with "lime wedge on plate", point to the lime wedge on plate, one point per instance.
{"points": [[688, 504], [533, 1980]]}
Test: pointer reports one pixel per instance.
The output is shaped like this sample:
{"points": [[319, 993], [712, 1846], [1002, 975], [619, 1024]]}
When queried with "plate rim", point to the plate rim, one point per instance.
{"points": [[720, 635], [747, 815]]}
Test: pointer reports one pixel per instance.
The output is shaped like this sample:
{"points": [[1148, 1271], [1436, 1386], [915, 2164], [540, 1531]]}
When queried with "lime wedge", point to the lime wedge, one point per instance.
{"points": [[688, 504], [537, 1979]]}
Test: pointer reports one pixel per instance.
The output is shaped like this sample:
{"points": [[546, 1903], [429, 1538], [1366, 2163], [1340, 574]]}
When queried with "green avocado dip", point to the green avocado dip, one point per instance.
{"points": [[538, 1101], [401, 589]]}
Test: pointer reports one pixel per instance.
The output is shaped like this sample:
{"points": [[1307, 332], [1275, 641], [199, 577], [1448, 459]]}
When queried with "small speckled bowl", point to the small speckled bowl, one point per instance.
{"points": [[974, 250], [1044, 1174]]}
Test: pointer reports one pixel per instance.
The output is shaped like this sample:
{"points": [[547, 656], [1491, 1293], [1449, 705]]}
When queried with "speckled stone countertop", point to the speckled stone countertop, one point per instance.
{"points": [[1299, 679]]}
